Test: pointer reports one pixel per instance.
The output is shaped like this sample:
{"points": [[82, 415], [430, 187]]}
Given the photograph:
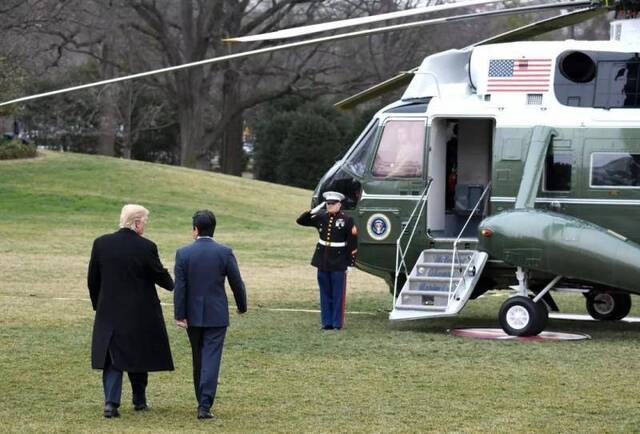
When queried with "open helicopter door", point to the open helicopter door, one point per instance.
{"points": [[459, 164]]}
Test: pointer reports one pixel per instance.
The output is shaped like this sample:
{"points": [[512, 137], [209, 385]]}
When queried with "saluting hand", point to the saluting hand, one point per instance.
{"points": [[317, 209]]}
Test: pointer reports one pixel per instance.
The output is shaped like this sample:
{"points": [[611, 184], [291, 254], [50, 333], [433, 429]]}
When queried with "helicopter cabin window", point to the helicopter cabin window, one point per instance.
{"points": [[401, 150], [557, 171], [615, 169]]}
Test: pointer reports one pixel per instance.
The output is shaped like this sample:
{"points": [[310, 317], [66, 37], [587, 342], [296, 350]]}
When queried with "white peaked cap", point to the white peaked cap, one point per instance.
{"points": [[333, 195]]}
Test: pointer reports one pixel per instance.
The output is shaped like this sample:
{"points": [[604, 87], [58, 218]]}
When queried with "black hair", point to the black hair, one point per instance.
{"points": [[205, 222]]}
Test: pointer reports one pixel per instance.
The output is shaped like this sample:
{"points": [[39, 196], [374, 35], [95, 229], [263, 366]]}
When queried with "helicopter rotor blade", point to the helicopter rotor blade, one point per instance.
{"points": [[301, 44], [544, 26], [462, 17], [395, 82], [352, 22]]}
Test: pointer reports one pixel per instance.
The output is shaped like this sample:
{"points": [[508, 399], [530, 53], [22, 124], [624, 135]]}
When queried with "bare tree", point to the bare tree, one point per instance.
{"points": [[193, 30]]}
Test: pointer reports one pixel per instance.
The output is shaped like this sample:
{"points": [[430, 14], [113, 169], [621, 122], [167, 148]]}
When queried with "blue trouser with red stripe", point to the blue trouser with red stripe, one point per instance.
{"points": [[333, 286]]}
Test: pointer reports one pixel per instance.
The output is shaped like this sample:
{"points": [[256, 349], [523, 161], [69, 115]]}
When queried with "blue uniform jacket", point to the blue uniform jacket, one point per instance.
{"points": [[199, 295]]}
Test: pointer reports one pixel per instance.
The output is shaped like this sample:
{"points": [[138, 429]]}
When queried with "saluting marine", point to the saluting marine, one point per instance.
{"points": [[336, 250]]}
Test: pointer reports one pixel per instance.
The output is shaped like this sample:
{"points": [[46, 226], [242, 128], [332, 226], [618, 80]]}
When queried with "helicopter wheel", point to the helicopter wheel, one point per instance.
{"points": [[521, 316], [608, 306]]}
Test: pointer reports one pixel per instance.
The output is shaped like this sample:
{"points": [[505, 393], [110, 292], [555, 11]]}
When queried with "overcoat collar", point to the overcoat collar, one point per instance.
{"points": [[127, 230]]}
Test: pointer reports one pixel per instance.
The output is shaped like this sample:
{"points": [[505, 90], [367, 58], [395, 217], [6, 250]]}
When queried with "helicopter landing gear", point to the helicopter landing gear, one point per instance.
{"points": [[524, 316], [608, 306], [521, 316]]}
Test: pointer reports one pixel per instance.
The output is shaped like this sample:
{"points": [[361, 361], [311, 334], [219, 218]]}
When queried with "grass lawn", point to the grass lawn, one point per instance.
{"points": [[280, 373]]}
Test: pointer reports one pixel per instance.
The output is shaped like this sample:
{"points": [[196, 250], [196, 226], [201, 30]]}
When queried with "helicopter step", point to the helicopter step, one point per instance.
{"points": [[439, 284]]}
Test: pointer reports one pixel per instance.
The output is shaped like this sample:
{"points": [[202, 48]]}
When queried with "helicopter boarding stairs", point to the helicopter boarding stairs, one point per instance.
{"points": [[442, 280]]}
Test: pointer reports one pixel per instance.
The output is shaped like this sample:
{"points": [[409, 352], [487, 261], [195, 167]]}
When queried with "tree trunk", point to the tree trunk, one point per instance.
{"points": [[192, 149], [107, 137], [127, 124], [231, 152], [108, 97], [108, 108], [191, 95]]}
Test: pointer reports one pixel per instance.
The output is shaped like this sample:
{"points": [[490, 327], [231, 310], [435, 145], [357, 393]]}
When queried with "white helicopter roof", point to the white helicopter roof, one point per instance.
{"points": [[508, 74], [481, 81]]}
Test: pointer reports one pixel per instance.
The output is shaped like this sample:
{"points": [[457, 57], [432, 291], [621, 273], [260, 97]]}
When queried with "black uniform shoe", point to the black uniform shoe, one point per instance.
{"points": [[141, 407], [327, 327], [110, 410], [203, 413]]}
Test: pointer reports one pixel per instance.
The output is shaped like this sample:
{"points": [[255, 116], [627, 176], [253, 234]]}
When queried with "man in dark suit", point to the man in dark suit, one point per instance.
{"points": [[129, 332], [201, 305]]}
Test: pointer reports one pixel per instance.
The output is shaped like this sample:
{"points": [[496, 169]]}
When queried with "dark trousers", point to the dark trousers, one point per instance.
{"points": [[333, 286], [112, 384], [206, 350]]}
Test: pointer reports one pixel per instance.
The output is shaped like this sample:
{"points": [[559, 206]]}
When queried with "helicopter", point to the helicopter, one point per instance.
{"points": [[521, 165], [505, 164]]}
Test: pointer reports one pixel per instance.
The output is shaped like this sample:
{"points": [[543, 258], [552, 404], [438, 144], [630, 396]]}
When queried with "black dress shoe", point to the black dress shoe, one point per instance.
{"points": [[110, 410], [327, 327], [203, 413], [141, 407]]}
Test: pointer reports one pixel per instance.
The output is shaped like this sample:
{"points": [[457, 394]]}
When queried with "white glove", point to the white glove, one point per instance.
{"points": [[317, 209]]}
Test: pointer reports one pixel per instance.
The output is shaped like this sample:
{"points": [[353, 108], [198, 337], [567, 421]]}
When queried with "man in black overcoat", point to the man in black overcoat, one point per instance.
{"points": [[129, 333]]}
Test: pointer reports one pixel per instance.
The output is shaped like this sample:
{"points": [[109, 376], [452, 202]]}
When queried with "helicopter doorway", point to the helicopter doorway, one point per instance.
{"points": [[460, 153]]}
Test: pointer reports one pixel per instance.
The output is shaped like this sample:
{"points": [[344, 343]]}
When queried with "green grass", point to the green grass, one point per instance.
{"points": [[279, 372]]}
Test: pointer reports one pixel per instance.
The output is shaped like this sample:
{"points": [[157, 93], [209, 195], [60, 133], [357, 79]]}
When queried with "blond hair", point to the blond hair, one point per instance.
{"points": [[131, 214]]}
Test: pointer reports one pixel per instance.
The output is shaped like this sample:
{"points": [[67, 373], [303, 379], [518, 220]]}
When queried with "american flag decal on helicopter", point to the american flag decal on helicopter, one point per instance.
{"points": [[519, 75]]}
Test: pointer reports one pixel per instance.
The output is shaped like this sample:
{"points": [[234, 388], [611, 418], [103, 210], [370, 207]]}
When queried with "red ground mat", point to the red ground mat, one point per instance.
{"points": [[481, 333]]}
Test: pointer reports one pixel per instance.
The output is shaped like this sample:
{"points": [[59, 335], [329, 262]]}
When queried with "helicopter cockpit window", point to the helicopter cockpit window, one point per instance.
{"points": [[557, 172], [401, 150], [615, 169], [356, 161]]}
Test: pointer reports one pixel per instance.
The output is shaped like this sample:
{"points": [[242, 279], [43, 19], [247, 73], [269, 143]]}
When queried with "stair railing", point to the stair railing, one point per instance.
{"points": [[400, 253], [456, 257]]}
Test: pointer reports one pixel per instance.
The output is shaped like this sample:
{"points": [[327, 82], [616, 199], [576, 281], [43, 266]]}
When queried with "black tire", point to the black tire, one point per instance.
{"points": [[520, 316], [608, 306]]}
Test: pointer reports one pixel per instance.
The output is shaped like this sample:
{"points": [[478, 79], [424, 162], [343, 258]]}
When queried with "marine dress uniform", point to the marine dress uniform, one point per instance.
{"points": [[335, 251]]}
